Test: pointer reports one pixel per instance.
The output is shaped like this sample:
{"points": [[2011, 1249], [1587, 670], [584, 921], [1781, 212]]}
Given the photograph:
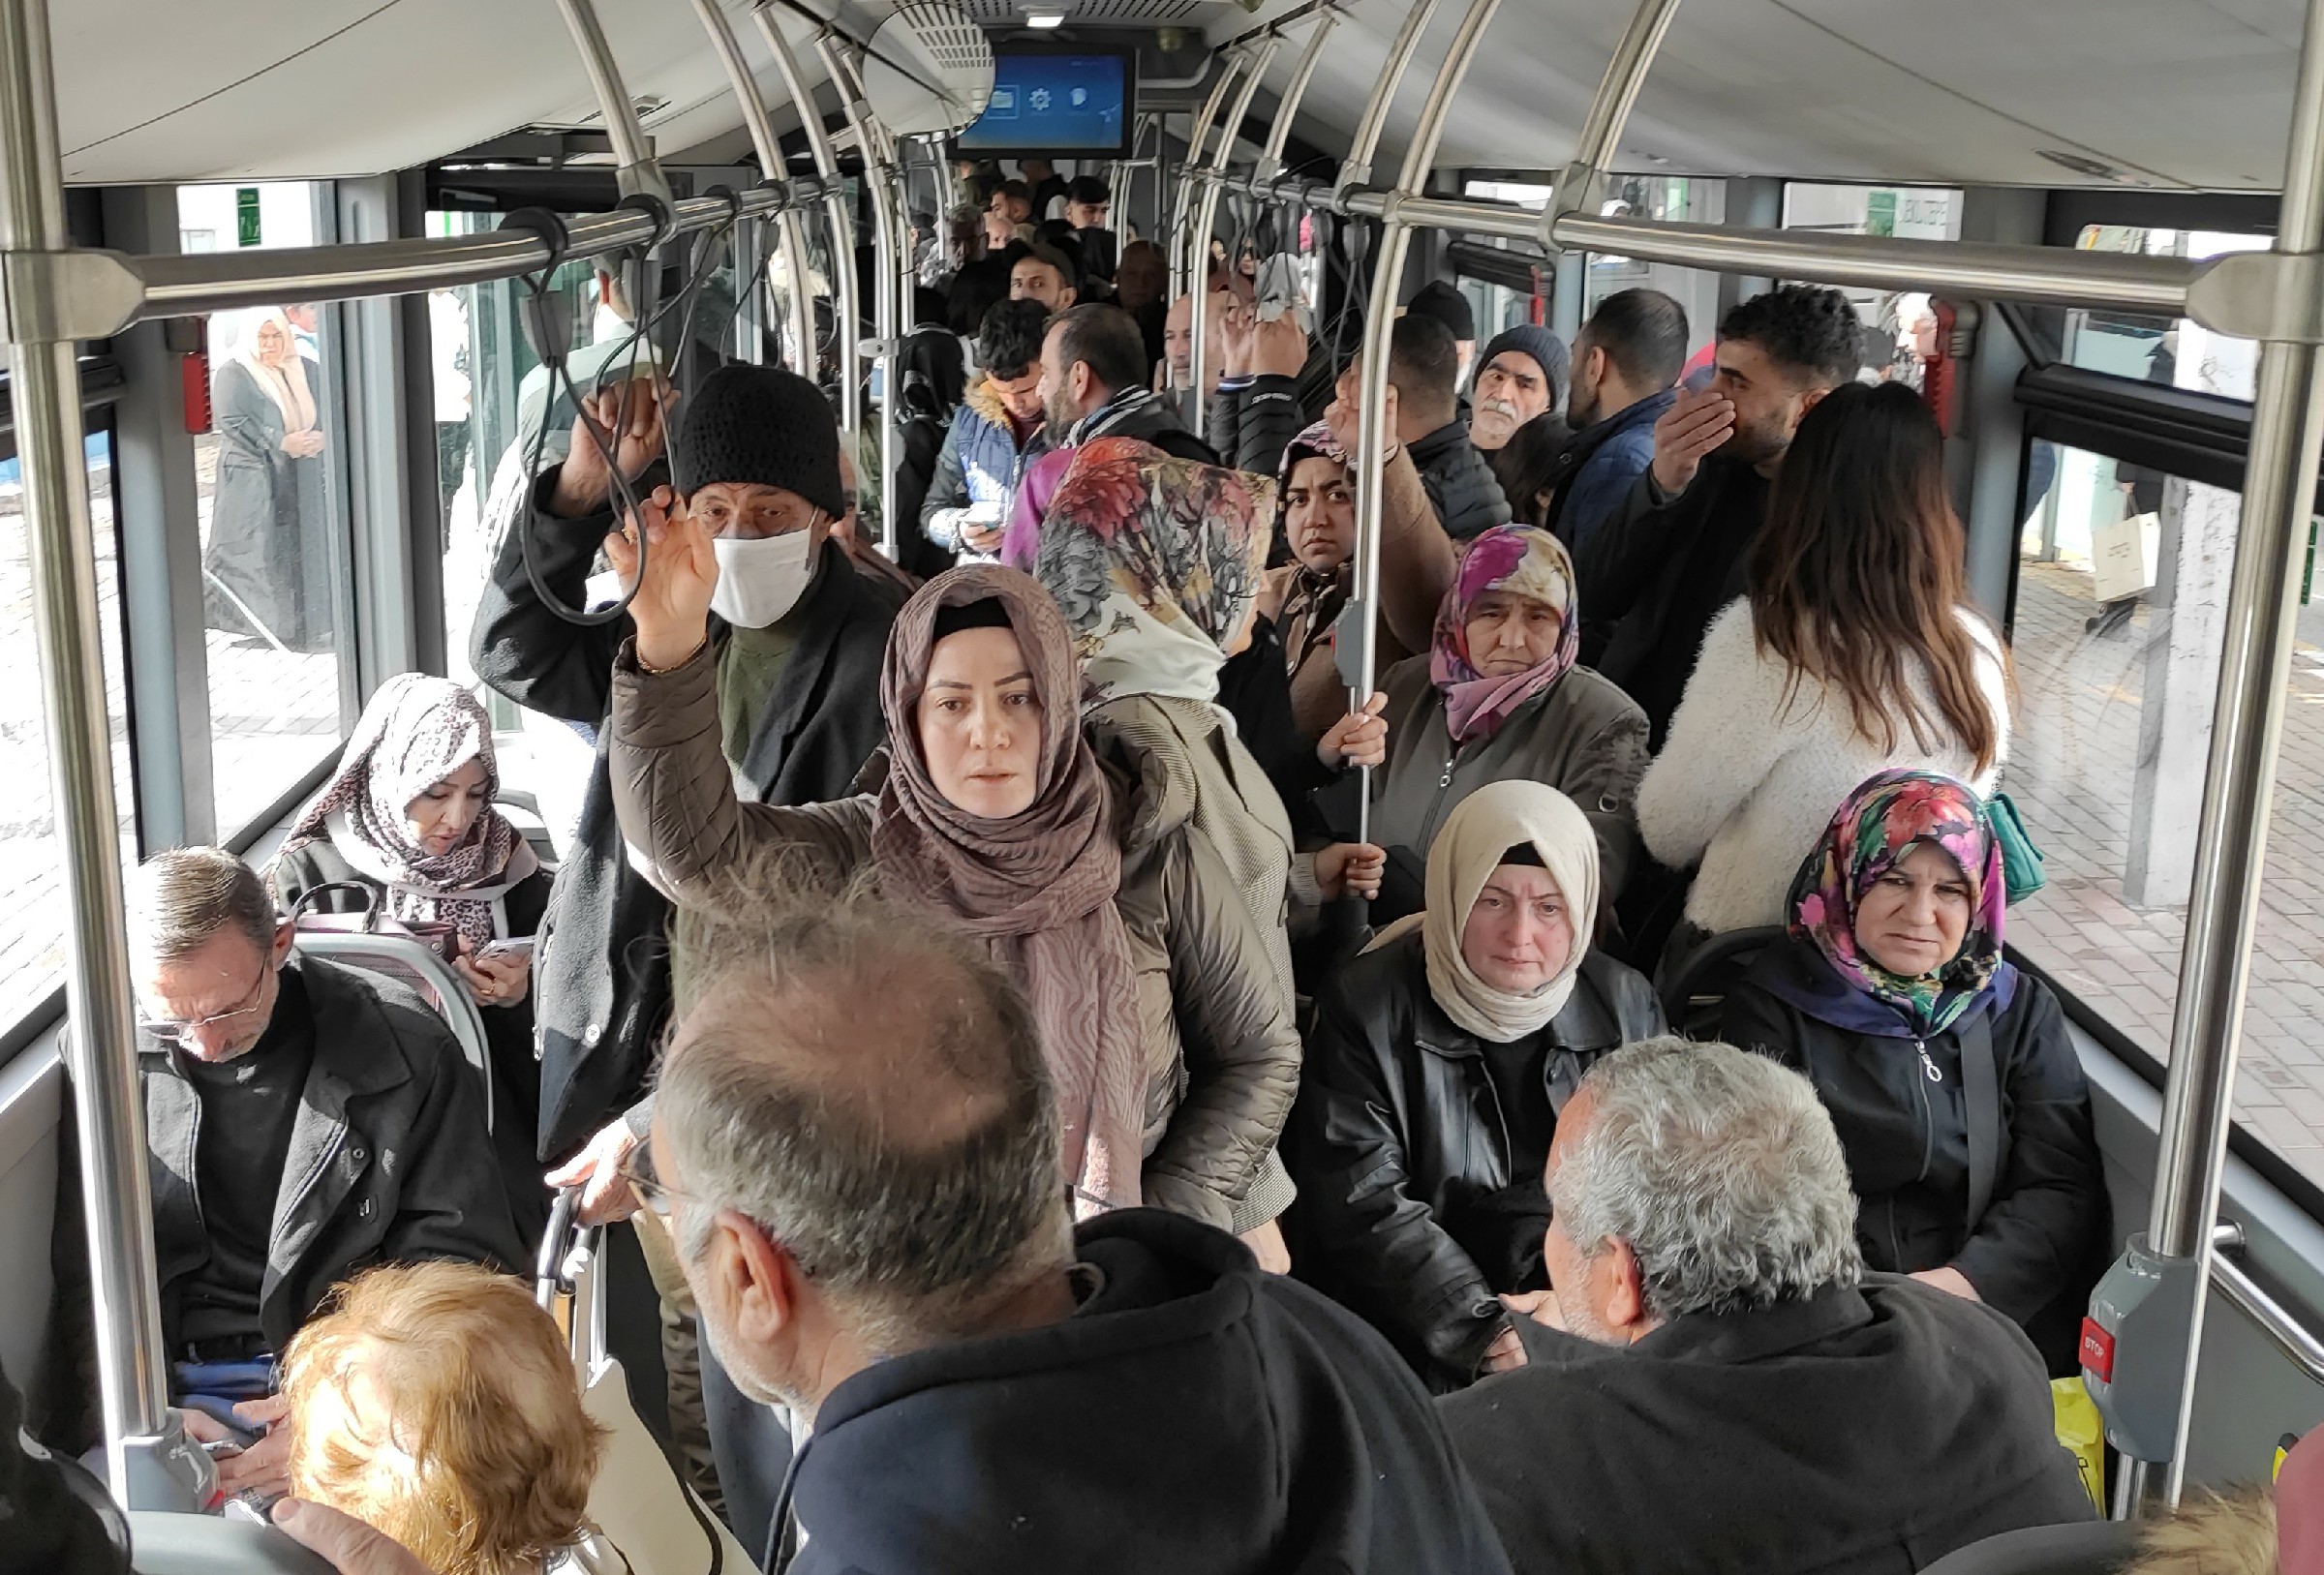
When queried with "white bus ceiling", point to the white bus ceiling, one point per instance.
{"points": [[2168, 93]]}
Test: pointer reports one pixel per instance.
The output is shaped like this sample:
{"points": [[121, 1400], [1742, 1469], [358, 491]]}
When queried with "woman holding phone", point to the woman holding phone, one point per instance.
{"points": [[407, 826]]}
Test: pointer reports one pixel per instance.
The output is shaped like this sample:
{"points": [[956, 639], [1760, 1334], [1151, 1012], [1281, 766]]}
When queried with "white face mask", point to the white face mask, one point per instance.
{"points": [[761, 579]]}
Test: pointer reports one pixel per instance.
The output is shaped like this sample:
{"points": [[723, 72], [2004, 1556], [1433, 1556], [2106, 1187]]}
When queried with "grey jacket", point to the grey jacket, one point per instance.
{"points": [[1222, 1052], [1581, 736], [388, 1161]]}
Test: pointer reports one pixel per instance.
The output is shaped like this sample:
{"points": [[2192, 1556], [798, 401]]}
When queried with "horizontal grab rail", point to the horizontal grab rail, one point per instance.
{"points": [[201, 282], [2291, 1336], [2047, 275]]}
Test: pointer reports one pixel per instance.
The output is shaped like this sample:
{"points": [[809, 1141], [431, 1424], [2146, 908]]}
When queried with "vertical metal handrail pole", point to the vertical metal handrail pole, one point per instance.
{"points": [[879, 172], [1206, 211], [1356, 168], [2239, 780], [1184, 265], [1581, 184], [842, 232], [769, 148], [1372, 434], [638, 172], [99, 1046]]}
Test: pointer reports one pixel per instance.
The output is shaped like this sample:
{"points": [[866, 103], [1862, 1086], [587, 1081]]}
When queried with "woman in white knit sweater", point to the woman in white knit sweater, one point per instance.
{"points": [[1854, 649]]}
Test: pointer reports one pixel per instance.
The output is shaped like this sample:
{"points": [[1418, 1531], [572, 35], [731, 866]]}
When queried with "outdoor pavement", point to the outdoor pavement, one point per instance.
{"points": [[2073, 758]]}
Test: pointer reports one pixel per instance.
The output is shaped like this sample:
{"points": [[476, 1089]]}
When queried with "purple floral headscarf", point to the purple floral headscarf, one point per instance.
{"points": [[1524, 563]]}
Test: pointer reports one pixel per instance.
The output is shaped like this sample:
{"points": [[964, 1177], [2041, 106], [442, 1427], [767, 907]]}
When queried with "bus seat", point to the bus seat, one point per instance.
{"points": [[415, 965], [2086, 1548], [522, 810], [1693, 990], [168, 1544]]}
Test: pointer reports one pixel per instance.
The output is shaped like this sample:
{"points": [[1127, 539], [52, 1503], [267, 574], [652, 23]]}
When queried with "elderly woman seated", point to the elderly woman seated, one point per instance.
{"points": [[1435, 1071], [437, 1403], [1949, 1073]]}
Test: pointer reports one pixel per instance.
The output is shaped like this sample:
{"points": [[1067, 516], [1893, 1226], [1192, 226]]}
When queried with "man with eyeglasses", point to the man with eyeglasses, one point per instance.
{"points": [[305, 1121]]}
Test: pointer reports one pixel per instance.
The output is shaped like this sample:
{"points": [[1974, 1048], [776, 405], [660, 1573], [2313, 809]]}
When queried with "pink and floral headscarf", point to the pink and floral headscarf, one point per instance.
{"points": [[1524, 562], [1884, 819]]}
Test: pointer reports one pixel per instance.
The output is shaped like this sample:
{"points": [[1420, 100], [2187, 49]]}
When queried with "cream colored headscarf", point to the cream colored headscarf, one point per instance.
{"points": [[285, 382], [1466, 852]]}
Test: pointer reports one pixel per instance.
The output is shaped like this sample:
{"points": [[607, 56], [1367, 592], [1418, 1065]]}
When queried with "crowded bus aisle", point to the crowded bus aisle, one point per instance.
{"points": [[1174, 892]]}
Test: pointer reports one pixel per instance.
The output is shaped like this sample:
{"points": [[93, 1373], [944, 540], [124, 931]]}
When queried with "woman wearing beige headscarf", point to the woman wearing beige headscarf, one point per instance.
{"points": [[1435, 1070], [267, 563]]}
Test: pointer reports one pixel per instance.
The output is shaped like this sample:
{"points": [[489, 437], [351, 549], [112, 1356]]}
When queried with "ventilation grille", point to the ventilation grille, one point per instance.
{"points": [[954, 43], [1154, 12]]}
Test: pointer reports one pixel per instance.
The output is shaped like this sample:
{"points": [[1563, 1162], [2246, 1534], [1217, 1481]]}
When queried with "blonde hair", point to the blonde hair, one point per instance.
{"points": [[437, 1403], [2232, 1533]]}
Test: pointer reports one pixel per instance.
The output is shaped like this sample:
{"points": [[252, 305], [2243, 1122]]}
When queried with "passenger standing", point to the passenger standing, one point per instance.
{"points": [[1674, 553], [265, 567], [1173, 1052], [1440, 303], [992, 1390], [1255, 410], [1972, 1152], [1305, 597], [798, 637], [1045, 275], [1435, 1071], [994, 435], [1140, 279], [408, 818], [1715, 1387], [1855, 649], [1498, 696], [1520, 381], [1529, 466], [1625, 361], [1088, 203], [1423, 369], [1177, 344]]}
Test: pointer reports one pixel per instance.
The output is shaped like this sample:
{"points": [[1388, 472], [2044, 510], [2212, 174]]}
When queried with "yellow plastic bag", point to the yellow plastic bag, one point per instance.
{"points": [[2082, 1434]]}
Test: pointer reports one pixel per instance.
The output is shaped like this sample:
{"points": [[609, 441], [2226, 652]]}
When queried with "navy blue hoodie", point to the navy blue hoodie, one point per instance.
{"points": [[1195, 1417]]}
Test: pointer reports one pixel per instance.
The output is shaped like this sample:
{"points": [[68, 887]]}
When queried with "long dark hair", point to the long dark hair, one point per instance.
{"points": [[1859, 571]]}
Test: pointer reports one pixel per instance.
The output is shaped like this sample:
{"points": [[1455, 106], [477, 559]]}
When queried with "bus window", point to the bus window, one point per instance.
{"points": [[2116, 690], [32, 922], [1897, 324], [271, 475]]}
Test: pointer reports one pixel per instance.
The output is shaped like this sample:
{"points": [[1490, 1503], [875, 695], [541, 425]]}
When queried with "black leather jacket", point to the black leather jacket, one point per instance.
{"points": [[1462, 486], [1402, 1152]]}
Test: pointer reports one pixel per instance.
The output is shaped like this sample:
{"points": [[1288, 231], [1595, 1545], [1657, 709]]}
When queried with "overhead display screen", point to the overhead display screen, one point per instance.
{"points": [[1054, 100]]}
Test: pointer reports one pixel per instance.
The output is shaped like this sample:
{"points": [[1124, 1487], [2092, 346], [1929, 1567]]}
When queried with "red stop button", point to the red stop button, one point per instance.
{"points": [[2097, 1350]]}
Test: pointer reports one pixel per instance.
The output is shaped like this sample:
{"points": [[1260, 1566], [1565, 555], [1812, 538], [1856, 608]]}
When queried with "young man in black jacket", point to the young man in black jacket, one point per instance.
{"points": [[1678, 547], [1714, 1385], [1423, 367], [881, 1242]]}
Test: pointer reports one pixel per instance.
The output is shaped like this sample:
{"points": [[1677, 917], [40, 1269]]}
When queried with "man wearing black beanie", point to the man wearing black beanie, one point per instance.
{"points": [[797, 637]]}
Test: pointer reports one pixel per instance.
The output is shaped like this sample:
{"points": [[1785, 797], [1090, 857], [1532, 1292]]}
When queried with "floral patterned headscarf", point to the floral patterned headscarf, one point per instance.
{"points": [[1155, 562], [1524, 562], [1881, 821]]}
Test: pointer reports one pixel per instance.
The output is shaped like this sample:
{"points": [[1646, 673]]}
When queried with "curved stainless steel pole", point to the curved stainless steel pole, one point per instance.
{"points": [[1270, 159], [99, 1046], [1372, 434], [1206, 220], [842, 232], [1356, 169], [879, 179], [769, 148], [1181, 248], [2239, 781], [1581, 186], [638, 172]]}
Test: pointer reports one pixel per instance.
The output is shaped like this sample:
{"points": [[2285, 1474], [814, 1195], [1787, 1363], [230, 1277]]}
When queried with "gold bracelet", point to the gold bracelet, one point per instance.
{"points": [[651, 671]]}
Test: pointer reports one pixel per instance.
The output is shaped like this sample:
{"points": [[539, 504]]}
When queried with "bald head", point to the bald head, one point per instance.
{"points": [[867, 1086]]}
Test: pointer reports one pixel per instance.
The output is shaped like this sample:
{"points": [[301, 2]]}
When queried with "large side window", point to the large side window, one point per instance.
{"points": [[32, 921], [272, 476], [2123, 578]]}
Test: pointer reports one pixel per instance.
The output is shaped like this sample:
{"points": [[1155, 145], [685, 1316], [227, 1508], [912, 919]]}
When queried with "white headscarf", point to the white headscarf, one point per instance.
{"points": [[285, 383], [1487, 825]]}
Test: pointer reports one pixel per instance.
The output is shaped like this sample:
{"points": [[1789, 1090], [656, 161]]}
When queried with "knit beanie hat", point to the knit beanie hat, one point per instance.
{"points": [[1447, 305], [753, 424], [1545, 346]]}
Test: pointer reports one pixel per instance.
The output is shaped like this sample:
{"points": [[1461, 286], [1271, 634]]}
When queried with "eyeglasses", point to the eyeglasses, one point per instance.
{"points": [[178, 1031], [638, 1171]]}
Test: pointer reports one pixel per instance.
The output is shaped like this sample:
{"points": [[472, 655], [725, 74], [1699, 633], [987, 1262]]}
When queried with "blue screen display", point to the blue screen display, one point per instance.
{"points": [[1053, 104]]}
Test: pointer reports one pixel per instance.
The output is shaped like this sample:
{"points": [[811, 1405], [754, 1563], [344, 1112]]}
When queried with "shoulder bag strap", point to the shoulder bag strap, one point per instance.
{"points": [[1981, 1093]]}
